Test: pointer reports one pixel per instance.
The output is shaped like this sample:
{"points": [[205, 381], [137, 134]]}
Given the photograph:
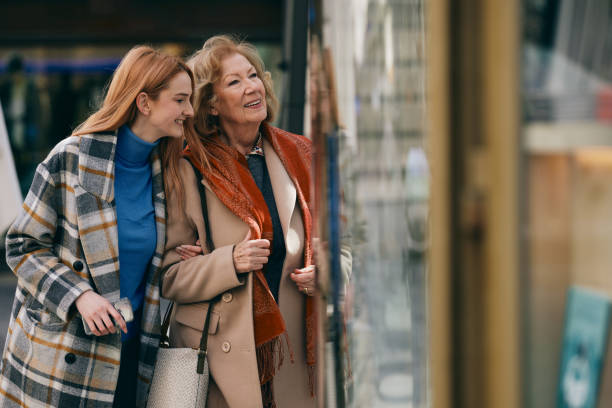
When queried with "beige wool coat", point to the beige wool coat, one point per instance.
{"points": [[191, 283]]}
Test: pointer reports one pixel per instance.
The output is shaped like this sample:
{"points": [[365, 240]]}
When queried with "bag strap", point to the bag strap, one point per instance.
{"points": [[164, 340], [203, 350], [209, 244]]}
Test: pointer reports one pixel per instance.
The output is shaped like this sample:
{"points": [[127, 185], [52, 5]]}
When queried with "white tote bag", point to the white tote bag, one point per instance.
{"points": [[176, 382], [181, 375]]}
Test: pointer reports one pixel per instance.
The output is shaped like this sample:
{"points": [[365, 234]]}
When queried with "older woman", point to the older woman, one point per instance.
{"points": [[257, 184]]}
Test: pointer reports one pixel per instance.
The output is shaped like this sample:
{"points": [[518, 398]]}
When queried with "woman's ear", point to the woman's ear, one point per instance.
{"points": [[142, 102], [212, 102], [214, 111]]}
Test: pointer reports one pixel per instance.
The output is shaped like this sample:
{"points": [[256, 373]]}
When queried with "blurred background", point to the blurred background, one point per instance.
{"points": [[463, 176], [56, 58]]}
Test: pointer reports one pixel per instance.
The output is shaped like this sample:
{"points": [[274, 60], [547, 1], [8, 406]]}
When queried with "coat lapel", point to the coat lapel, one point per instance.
{"points": [[97, 164], [159, 203], [96, 215], [282, 186]]}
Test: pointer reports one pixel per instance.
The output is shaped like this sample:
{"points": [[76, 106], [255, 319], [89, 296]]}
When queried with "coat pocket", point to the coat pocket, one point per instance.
{"points": [[42, 318], [194, 315], [61, 361]]}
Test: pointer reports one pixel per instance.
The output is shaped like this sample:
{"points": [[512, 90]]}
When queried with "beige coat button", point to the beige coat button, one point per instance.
{"points": [[226, 346], [227, 297]]}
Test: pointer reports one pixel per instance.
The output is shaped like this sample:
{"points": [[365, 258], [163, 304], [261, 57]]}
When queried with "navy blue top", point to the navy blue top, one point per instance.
{"points": [[273, 270], [135, 219]]}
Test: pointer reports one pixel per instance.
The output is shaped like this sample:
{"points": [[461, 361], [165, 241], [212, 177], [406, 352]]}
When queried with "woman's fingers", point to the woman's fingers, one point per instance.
{"points": [[251, 254], [301, 281], [97, 313], [307, 269], [304, 278], [118, 319], [188, 251], [257, 252], [261, 243], [100, 326], [192, 249], [108, 324], [93, 327]]}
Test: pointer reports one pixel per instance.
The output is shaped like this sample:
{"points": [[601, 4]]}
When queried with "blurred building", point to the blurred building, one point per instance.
{"points": [[519, 134]]}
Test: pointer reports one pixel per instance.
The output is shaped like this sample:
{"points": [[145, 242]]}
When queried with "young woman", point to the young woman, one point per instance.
{"points": [[90, 238]]}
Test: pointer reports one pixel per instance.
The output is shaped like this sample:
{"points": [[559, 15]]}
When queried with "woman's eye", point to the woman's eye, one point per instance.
{"points": [[180, 100], [253, 75], [234, 82]]}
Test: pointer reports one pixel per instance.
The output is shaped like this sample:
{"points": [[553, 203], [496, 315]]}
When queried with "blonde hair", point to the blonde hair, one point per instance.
{"points": [[207, 68], [206, 64], [142, 69]]}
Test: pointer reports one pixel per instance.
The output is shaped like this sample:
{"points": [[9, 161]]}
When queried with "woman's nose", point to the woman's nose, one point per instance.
{"points": [[251, 85], [189, 110]]}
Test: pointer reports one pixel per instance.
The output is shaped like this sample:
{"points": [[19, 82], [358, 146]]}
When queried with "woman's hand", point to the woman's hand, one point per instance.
{"points": [[305, 279], [251, 254], [189, 251], [97, 313]]}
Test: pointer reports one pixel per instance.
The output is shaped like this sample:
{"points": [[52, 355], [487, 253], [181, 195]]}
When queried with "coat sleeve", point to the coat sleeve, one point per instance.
{"points": [[202, 277], [30, 250]]}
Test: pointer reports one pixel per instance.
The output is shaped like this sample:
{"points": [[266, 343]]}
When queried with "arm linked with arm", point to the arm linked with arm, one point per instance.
{"points": [[201, 277]]}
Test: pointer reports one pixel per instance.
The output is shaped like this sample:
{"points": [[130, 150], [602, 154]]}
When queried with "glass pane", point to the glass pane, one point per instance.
{"points": [[567, 149], [367, 110]]}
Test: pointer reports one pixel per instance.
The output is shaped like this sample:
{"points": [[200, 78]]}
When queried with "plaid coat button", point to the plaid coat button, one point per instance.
{"points": [[70, 358], [78, 266]]}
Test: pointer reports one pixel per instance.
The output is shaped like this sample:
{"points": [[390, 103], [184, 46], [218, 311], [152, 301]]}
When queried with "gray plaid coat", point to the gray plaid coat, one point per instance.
{"points": [[63, 243]]}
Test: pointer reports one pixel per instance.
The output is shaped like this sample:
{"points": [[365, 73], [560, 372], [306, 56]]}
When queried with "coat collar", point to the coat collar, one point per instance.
{"points": [[283, 188], [97, 217], [97, 164]]}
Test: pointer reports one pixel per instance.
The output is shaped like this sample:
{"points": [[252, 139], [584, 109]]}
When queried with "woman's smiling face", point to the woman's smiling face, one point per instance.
{"points": [[240, 93], [172, 107]]}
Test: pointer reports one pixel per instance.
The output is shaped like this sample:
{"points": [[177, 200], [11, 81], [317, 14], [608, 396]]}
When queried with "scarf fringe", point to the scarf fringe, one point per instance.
{"points": [[291, 355], [311, 379], [271, 356]]}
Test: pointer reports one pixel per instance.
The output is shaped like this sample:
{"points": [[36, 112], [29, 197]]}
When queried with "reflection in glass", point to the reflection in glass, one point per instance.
{"points": [[367, 105]]}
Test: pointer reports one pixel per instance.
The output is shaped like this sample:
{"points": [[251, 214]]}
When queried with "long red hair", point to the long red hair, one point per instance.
{"points": [[142, 69]]}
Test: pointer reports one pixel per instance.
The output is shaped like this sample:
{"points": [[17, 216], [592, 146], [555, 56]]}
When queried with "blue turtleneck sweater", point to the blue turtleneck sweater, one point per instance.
{"points": [[135, 219]]}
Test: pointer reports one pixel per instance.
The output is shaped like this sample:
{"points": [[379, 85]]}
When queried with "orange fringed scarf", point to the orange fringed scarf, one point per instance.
{"points": [[230, 179]]}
